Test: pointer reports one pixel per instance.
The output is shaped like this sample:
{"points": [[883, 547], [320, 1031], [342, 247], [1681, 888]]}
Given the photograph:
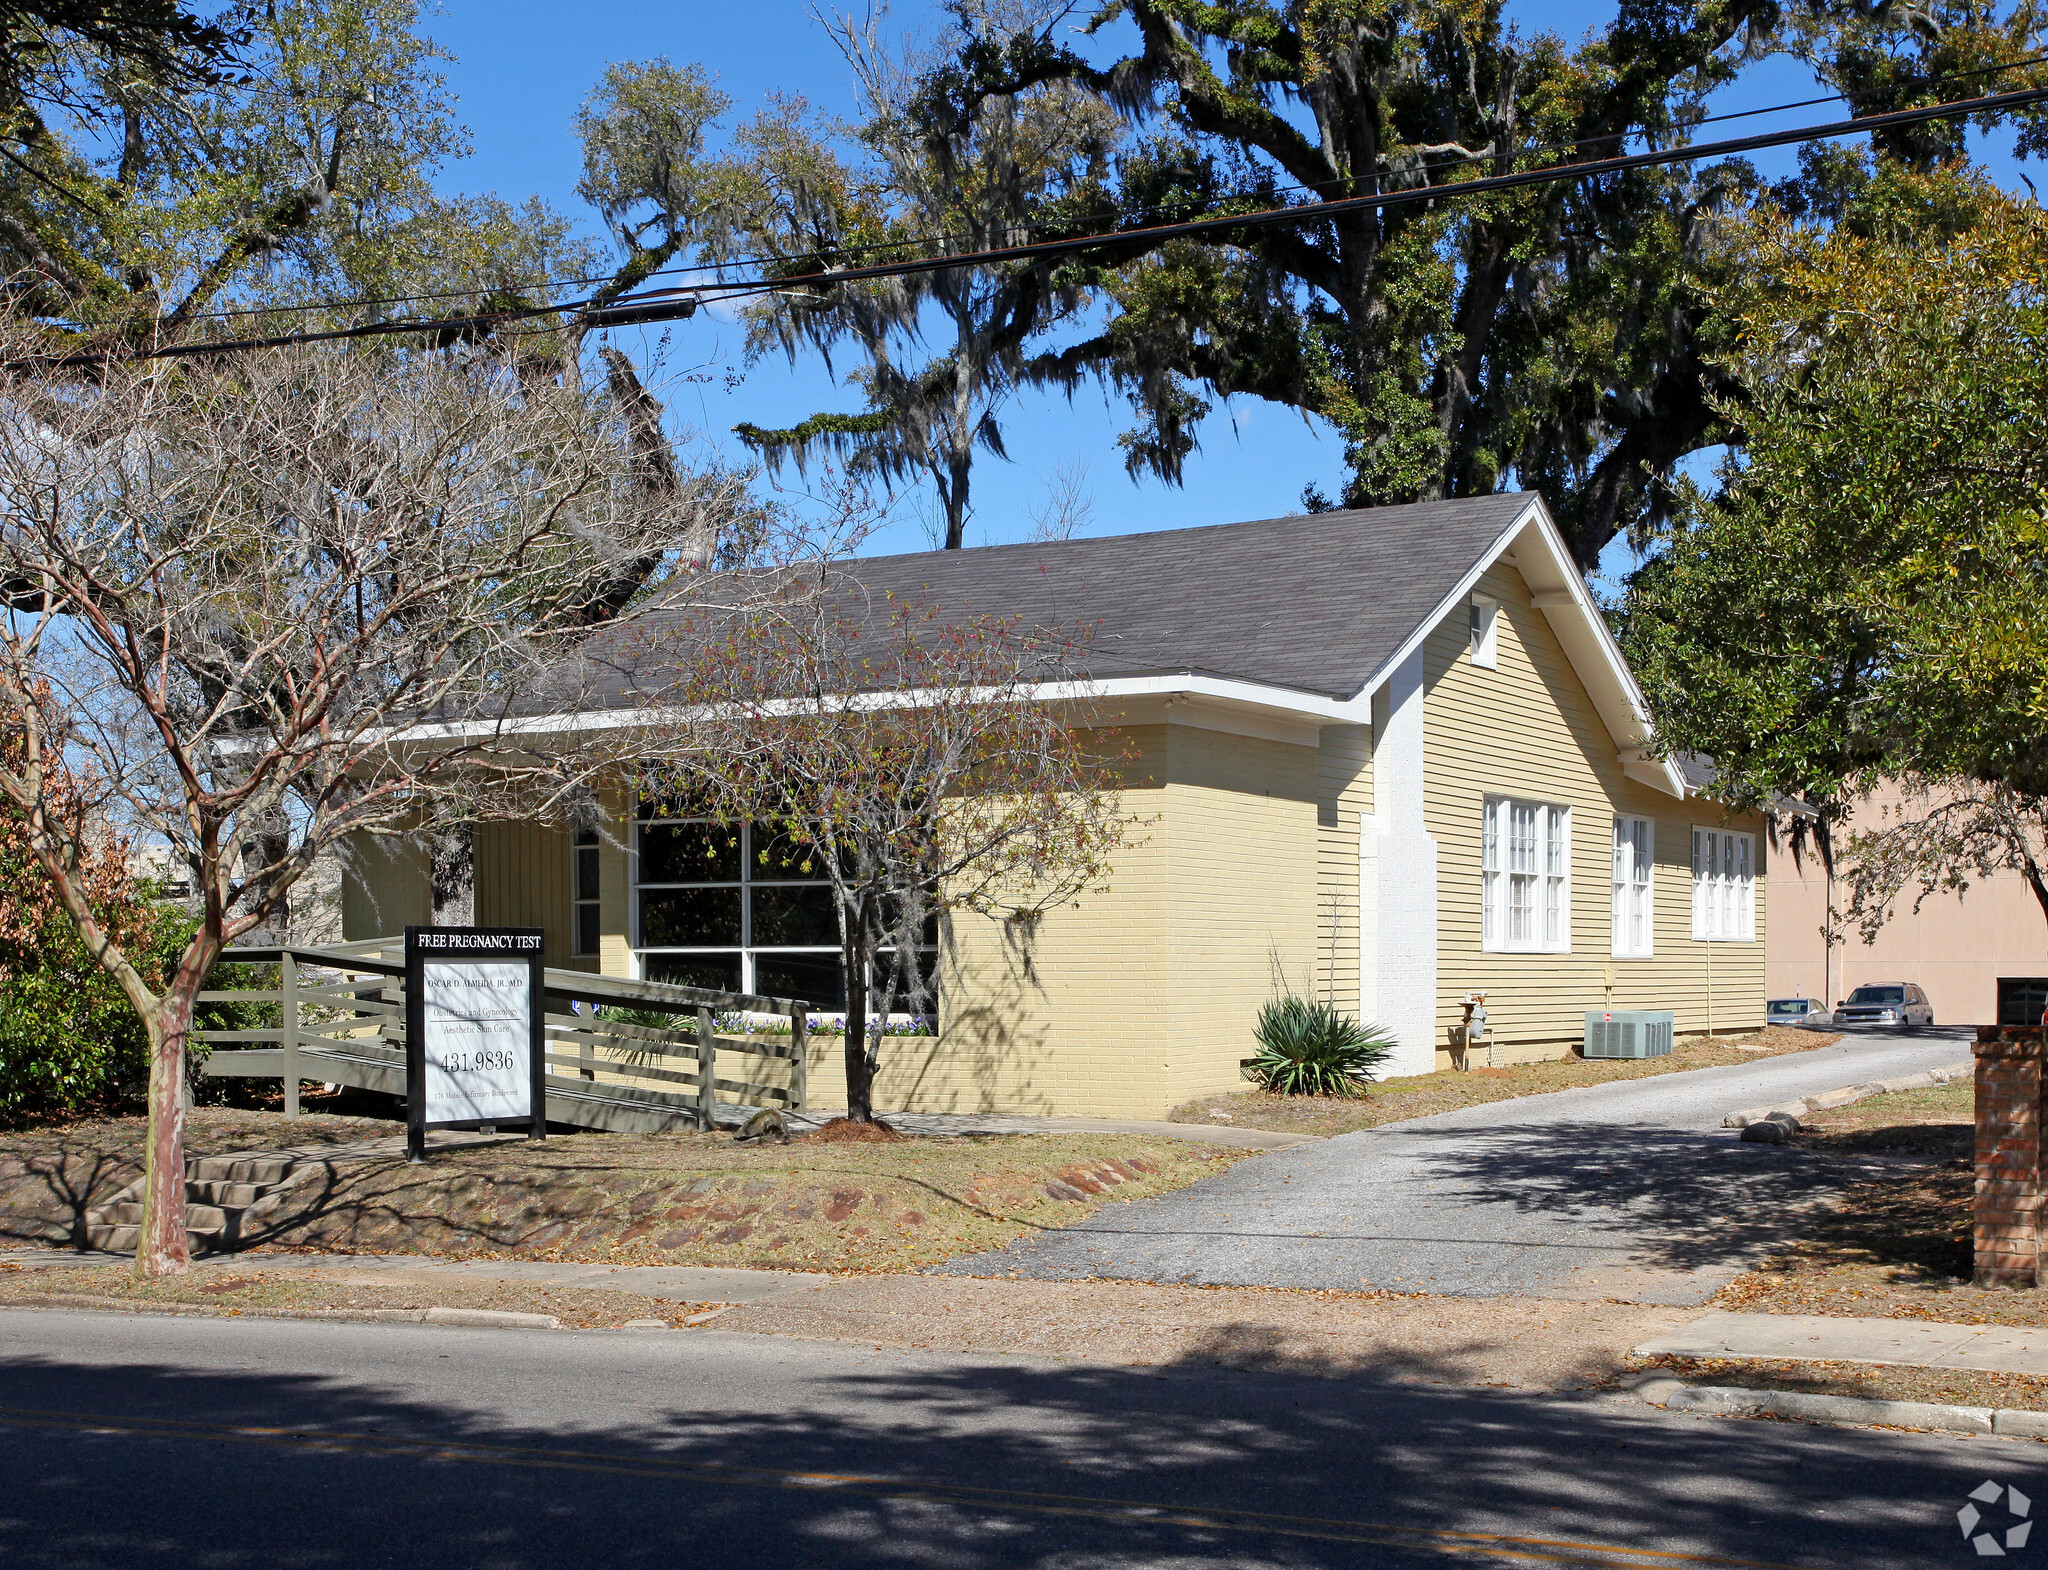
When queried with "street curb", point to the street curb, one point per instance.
{"points": [[1828, 1100], [1734, 1401], [478, 1318]]}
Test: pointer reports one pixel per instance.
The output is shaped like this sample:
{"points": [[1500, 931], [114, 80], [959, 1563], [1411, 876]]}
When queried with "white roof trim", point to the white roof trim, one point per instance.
{"points": [[1582, 632]]}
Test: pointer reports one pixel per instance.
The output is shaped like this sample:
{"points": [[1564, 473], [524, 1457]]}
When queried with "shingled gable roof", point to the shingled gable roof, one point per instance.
{"points": [[1309, 614], [1316, 604]]}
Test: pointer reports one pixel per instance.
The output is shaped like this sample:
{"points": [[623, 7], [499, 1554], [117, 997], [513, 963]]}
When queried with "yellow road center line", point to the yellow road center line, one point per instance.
{"points": [[1128, 1512]]}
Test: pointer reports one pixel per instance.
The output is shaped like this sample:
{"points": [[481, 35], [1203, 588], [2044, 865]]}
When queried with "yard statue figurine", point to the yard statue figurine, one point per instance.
{"points": [[763, 1125]]}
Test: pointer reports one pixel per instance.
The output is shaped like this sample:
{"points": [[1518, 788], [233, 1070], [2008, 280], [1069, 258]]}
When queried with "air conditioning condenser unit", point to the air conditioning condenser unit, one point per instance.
{"points": [[1628, 1033]]}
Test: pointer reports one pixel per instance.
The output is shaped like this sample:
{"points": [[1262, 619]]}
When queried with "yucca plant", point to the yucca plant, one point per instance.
{"points": [[1307, 1048]]}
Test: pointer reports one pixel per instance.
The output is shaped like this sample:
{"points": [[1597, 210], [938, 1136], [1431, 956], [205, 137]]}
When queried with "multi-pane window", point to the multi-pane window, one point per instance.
{"points": [[1634, 849], [738, 908], [1723, 886], [1525, 877], [583, 889]]}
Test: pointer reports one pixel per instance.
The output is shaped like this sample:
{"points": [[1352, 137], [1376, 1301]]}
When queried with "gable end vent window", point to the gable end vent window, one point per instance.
{"points": [[1723, 886], [583, 888], [1525, 878], [1634, 855], [1485, 625]]}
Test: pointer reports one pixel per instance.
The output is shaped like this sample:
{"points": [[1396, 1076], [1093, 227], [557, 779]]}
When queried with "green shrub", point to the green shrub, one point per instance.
{"points": [[69, 1040], [1307, 1048]]}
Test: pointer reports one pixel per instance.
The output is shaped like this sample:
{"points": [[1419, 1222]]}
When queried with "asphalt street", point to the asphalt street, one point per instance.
{"points": [[132, 1443], [1630, 1189]]}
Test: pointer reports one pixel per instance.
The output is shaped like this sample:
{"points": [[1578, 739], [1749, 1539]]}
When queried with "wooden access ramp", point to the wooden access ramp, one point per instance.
{"points": [[336, 1014]]}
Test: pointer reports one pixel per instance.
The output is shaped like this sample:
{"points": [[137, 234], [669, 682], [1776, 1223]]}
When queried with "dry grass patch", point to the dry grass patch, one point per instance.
{"points": [[1421, 1095], [1866, 1381], [217, 1290], [682, 1198], [1893, 1247]]}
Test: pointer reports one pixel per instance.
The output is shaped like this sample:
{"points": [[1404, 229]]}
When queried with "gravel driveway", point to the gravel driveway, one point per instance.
{"points": [[1628, 1191]]}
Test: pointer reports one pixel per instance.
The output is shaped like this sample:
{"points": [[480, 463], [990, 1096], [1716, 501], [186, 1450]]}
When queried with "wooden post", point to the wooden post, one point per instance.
{"points": [[288, 975], [707, 1069], [799, 1062]]}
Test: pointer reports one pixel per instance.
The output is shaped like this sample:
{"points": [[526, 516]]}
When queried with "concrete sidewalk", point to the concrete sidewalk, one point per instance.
{"points": [[1915, 1343]]}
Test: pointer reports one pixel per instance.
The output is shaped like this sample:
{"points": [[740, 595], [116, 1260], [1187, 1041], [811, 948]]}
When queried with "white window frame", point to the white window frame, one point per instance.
{"points": [[1724, 874], [1634, 887], [585, 847], [1525, 877], [1483, 631]]}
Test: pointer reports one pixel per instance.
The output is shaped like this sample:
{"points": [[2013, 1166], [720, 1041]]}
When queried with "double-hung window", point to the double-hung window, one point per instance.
{"points": [[1634, 849], [1723, 886], [1525, 877]]}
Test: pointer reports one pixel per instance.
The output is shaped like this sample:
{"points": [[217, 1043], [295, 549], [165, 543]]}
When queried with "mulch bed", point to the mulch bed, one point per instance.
{"points": [[1421, 1095]]}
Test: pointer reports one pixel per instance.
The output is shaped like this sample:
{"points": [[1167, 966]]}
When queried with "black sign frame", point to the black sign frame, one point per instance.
{"points": [[495, 944]]}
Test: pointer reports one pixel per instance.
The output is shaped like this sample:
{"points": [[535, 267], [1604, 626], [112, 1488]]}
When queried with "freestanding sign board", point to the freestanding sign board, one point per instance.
{"points": [[475, 1042]]}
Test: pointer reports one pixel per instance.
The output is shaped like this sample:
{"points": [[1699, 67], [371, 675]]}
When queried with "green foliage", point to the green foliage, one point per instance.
{"points": [[1865, 599], [1866, 596], [1554, 337], [70, 1041], [1308, 1048]]}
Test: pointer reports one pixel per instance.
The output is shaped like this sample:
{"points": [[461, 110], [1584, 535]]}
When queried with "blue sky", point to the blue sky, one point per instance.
{"points": [[522, 68]]}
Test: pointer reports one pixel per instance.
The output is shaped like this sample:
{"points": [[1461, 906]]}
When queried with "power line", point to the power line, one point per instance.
{"points": [[644, 308], [1437, 164]]}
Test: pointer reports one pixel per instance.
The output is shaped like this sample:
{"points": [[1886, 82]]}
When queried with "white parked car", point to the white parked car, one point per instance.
{"points": [[1795, 1011], [1893, 1003]]}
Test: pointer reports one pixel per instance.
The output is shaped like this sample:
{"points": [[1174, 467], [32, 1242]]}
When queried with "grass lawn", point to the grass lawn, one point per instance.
{"points": [[1422, 1094], [679, 1199]]}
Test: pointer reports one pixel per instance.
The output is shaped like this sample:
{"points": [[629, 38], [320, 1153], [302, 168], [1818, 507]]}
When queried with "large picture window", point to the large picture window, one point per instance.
{"points": [[1525, 877], [1723, 886], [737, 908], [1634, 853]]}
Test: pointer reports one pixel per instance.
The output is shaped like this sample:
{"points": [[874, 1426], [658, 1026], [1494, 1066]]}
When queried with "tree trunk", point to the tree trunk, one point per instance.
{"points": [[860, 1079], [164, 1248], [452, 860]]}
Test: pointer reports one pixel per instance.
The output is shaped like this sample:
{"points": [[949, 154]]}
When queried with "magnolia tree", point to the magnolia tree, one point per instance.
{"points": [[284, 599], [928, 765]]}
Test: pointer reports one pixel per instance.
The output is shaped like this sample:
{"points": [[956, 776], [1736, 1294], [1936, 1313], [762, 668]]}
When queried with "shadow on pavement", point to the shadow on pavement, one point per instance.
{"points": [[954, 1466]]}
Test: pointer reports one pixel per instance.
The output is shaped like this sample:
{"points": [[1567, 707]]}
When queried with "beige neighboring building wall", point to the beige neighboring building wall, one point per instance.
{"points": [[1956, 946], [1527, 728]]}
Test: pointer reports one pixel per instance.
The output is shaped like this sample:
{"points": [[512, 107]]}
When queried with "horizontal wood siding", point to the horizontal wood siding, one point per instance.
{"points": [[1527, 728], [522, 880], [384, 888], [1343, 796]]}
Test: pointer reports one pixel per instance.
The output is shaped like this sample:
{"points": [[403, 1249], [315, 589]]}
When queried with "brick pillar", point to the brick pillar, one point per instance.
{"points": [[2009, 1177]]}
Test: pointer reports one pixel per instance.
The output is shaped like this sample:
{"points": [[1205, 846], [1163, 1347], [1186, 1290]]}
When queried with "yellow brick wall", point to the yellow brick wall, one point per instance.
{"points": [[1241, 866], [1527, 728], [1131, 1000]]}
